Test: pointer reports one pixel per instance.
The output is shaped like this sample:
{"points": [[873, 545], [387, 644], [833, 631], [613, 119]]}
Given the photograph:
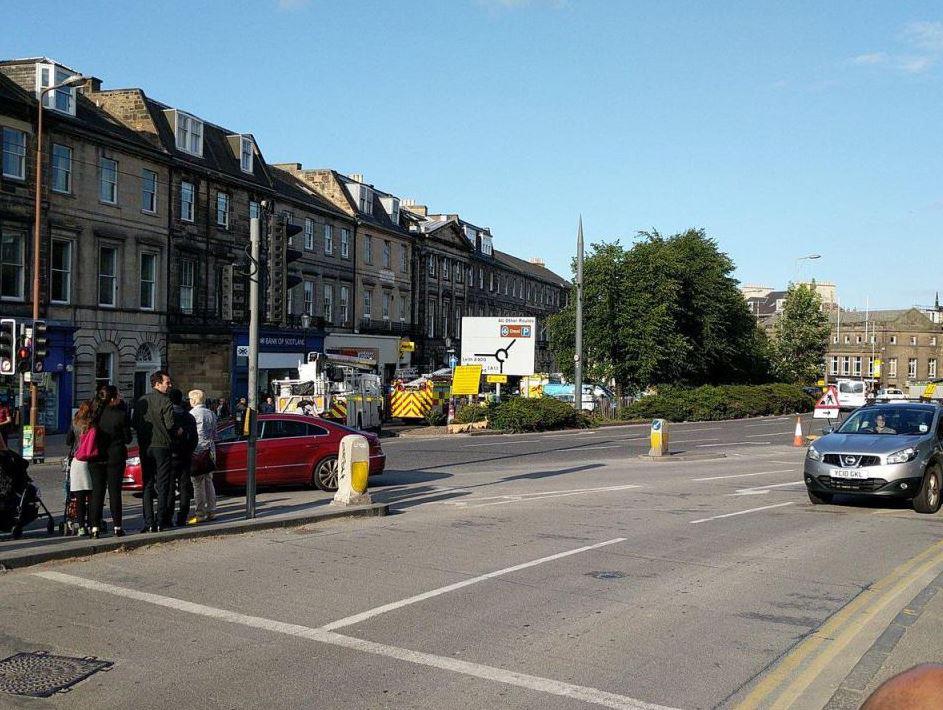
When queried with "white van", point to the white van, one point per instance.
{"points": [[851, 394]]}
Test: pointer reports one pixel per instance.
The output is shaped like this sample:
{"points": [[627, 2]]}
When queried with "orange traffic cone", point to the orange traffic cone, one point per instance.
{"points": [[798, 440]]}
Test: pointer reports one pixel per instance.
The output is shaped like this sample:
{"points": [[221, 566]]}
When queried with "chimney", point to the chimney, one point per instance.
{"points": [[411, 205], [289, 167], [537, 261], [356, 177], [91, 85]]}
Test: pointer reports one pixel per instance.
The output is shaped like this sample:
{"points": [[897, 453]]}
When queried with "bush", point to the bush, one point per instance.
{"points": [[539, 414], [470, 413], [435, 417], [679, 404]]}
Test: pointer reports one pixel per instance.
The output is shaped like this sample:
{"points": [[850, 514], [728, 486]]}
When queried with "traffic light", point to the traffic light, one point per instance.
{"points": [[24, 358], [40, 346], [7, 346], [280, 255]]}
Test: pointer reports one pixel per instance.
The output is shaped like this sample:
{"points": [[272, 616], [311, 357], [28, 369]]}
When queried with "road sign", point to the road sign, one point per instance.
{"points": [[407, 346], [502, 346], [929, 390], [827, 406], [497, 379], [466, 380], [877, 366]]}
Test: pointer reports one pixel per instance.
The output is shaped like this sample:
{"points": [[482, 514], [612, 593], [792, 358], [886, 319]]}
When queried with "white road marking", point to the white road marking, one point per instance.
{"points": [[772, 433], [503, 442], [734, 443], [743, 475], [476, 670], [741, 512], [691, 441], [768, 422], [756, 490], [596, 448], [523, 497]]}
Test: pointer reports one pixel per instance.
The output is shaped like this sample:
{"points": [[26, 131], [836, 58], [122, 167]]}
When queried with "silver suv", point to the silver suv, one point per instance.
{"points": [[891, 450]]}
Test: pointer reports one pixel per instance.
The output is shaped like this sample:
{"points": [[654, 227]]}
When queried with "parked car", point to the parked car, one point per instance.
{"points": [[292, 449], [891, 395], [889, 450]]}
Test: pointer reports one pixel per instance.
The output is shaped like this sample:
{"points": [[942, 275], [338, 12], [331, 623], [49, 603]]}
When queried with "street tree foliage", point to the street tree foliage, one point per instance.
{"points": [[800, 337], [665, 310]]}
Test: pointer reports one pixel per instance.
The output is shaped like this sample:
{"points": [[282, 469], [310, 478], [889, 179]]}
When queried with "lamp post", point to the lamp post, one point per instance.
{"points": [[808, 257], [37, 210]]}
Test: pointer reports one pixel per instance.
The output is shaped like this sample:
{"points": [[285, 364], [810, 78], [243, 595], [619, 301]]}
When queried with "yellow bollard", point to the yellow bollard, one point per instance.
{"points": [[659, 438], [353, 469]]}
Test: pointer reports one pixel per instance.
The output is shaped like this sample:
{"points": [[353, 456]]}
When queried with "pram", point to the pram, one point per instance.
{"points": [[20, 502]]}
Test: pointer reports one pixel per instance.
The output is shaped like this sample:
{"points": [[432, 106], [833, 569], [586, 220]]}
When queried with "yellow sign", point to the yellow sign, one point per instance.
{"points": [[929, 390], [497, 379], [467, 379], [407, 346], [877, 367]]}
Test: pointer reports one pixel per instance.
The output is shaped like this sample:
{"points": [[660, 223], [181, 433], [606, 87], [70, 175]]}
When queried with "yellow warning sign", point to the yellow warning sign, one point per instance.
{"points": [[929, 390], [497, 379], [466, 380]]}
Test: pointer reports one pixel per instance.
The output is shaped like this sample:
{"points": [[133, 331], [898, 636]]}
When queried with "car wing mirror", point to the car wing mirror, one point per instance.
{"points": [[827, 430]]}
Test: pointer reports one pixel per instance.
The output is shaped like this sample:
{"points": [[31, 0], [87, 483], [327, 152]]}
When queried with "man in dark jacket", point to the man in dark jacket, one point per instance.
{"points": [[153, 421], [182, 448]]}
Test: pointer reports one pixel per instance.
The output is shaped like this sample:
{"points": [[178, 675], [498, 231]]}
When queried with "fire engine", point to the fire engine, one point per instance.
{"points": [[415, 399], [338, 388]]}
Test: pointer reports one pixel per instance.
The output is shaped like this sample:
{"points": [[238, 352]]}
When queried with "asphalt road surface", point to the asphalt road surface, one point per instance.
{"points": [[535, 571]]}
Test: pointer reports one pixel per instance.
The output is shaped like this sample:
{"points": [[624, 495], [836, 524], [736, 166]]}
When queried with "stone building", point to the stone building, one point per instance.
{"points": [[103, 237]]}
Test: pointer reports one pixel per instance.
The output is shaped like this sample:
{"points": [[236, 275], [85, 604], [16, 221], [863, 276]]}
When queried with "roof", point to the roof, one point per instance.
{"points": [[765, 305], [879, 316], [288, 186], [530, 269], [379, 218]]}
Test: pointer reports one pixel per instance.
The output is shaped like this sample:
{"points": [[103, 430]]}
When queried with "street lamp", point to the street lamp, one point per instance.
{"points": [[37, 207], [808, 257]]}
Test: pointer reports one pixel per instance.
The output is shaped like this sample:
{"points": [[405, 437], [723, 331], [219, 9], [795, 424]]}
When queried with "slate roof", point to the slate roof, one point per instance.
{"points": [[880, 316], [533, 270], [288, 186], [379, 218], [762, 306]]}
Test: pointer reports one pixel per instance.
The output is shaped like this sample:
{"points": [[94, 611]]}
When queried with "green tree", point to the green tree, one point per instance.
{"points": [[800, 338]]}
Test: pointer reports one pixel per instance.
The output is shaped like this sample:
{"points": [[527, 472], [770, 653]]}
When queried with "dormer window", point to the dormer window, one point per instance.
{"points": [[62, 99], [189, 132], [246, 154], [366, 200]]}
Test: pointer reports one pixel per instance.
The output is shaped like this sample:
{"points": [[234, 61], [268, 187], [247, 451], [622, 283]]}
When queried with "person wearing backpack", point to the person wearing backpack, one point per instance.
{"points": [[181, 453], [112, 420]]}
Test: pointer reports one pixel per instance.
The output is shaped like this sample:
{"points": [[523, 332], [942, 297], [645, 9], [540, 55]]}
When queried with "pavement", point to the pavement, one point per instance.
{"points": [[554, 570]]}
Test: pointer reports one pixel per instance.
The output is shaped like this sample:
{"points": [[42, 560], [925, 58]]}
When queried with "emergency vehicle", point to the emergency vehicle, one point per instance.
{"points": [[416, 398]]}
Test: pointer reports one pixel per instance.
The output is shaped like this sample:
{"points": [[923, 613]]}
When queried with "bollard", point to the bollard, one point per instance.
{"points": [[659, 438], [353, 468]]}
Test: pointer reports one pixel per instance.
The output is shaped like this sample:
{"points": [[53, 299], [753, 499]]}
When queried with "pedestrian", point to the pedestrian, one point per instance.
{"points": [[80, 479], [268, 406], [181, 453], [241, 407], [113, 421], [154, 421], [204, 459], [222, 409], [6, 421]]}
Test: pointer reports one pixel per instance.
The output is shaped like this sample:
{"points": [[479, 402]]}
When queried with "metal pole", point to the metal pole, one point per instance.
{"points": [[578, 355], [254, 275], [33, 386]]}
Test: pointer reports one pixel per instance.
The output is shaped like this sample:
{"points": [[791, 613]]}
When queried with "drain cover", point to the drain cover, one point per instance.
{"points": [[608, 574], [39, 675]]}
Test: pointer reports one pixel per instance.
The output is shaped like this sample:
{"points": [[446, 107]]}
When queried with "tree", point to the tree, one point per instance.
{"points": [[800, 338]]}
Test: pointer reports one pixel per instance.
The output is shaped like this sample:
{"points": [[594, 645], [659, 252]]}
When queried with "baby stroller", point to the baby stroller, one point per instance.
{"points": [[19, 498]]}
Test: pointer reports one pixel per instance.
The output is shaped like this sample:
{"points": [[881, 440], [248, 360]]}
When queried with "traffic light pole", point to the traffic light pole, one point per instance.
{"points": [[254, 275], [37, 242], [578, 355]]}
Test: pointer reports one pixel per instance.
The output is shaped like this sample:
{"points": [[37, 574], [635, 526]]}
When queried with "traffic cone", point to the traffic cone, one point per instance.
{"points": [[798, 440]]}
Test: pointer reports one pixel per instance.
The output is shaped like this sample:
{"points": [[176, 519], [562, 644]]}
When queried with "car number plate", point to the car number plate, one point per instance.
{"points": [[849, 473]]}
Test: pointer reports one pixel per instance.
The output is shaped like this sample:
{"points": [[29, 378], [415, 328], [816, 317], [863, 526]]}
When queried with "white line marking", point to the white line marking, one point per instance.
{"points": [[370, 613], [524, 497], [771, 433], [744, 475], [769, 422], [596, 448], [764, 489], [503, 442], [476, 670], [691, 441], [734, 443], [741, 512]]}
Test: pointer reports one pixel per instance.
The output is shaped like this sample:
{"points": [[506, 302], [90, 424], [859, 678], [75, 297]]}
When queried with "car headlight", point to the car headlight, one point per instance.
{"points": [[813, 454], [133, 461], [902, 456]]}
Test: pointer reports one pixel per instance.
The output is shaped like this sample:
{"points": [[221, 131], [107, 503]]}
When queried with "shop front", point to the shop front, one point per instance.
{"points": [[279, 354]]}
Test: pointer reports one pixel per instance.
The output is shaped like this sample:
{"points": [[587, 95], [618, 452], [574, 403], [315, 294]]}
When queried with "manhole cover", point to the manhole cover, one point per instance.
{"points": [[39, 675], [607, 574]]}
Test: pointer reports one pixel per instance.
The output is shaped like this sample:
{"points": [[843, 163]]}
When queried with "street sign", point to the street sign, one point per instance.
{"points": [[929, 390], [407, 346], [877, 366], [827, 406], [466, 380], [497, 379], [453, 361], [502, 346]]}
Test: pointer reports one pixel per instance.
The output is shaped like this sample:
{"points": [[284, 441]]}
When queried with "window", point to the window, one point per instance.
{"points": [[481, 277], [446, 319], [931, 368], [222, 210], [287, 428], [328, 239], [104, 368], [892, 367], [870, 370], [856, 366], [12, 264], [459, 273], [367, 302], [491, 281], [148, 191], [913, 339], [60, 287], [403, 259], [432, 261], [430, 319], [344, 302], [309, 298], [893, 340], [186, 201], [458, 320], [186, 285], [309, 234], [328, 303], [61, 168], [845, 365], [403, 307], [387, 255], [368, 249], [254, 211], [14, 154], [108, 181], [387, 305], [506, 279], [107, 276], [245, 154], [847, 340], [189, 134], [933, 340], [858, 339], [833, 365], [445, 269], [912, 368], [345, 243], [148, 281], [63, 98]]}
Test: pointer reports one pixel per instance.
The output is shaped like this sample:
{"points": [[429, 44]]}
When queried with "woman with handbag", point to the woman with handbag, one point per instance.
{"points": [[80, 480], [204, 458], [112, 422]]}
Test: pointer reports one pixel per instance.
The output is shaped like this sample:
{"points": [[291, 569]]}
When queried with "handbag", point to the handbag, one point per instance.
{"points": [[203, 462], [88, 447]]}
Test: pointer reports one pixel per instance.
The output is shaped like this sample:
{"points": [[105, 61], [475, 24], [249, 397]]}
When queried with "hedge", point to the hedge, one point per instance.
{"points": [[708, 403], [523, 414]]}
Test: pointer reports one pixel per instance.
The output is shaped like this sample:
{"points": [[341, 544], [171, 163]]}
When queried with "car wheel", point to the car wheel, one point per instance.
{"points": [[819, 498], [325, 474], [928, 499]]}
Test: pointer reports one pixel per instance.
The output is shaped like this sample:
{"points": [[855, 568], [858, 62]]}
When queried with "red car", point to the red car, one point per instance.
{"points": [[291, 449]]}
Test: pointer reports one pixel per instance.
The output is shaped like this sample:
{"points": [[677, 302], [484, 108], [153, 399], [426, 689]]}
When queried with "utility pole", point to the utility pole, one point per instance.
{"points": [[254, 276], [578, 355]]}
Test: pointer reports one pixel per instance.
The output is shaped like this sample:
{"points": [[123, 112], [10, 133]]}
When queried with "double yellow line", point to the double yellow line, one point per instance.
{"points": [[782, 686]]}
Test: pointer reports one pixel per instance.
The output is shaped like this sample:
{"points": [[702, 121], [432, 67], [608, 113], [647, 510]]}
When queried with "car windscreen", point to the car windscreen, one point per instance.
{"points": [[851, 387], [909, 421]]}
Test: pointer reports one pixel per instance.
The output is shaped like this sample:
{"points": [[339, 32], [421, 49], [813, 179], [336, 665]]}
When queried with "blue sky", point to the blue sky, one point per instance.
{"points": [[783, 129]]}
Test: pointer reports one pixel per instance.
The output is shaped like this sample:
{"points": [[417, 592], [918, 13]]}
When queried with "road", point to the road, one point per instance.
{"points": [[546, 570]]}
